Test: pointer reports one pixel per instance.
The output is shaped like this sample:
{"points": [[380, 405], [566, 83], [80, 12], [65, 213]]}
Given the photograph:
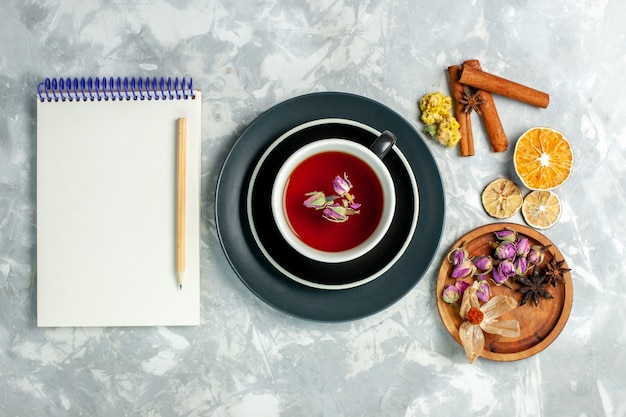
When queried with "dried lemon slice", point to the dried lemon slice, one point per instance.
{"points": [[541, 209], [502, 198]]}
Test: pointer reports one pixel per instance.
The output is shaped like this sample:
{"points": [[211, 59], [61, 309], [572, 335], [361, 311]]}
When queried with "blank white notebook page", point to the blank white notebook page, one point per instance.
{"points": [[106, 213]]}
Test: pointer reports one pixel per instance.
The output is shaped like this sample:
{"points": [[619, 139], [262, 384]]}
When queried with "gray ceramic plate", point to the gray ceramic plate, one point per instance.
{"points": [[271, 278]]}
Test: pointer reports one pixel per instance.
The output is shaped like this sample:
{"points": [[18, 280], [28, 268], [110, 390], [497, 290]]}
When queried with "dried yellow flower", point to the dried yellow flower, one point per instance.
{"points": [[440, 124], [448, 133], [435, 103]]}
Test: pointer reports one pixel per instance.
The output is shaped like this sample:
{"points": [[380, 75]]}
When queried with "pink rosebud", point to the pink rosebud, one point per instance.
{"points": [[497, 277], [536, 255], [521, 266], [342, 185], [483, 291], [462, 286], [465, 269], [316, 200], [506, 268], [335, 213], [451, 294], [457, 256], [503, 271], [506, 235], [505, 250], [522, 246], [483, 264]]}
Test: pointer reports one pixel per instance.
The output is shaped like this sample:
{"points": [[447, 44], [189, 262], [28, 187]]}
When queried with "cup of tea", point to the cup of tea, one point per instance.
{"points": [[334, 199]]}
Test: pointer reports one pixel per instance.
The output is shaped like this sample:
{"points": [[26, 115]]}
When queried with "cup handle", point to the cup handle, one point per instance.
{"points": [[383, 144]]}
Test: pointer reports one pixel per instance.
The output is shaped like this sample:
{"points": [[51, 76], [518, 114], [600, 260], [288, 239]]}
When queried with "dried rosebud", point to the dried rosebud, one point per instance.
{"points": [[316, 200], [505, 250], [457, 256], [497, 277], [507, 268], [483, 291], [503, 271], [521, 265], [335, 213], [465, 269], [462, 286], [342, 185], [451, 294], [350, 204], [522, 246], [506, 235], [483, 264], [535, 255]]}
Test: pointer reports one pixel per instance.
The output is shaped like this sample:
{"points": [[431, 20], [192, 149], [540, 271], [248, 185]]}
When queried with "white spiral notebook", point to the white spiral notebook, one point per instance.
{"points": [[106, 202]]}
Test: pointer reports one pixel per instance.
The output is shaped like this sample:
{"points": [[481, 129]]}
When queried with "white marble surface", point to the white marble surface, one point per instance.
{"points": [[247, 359]]}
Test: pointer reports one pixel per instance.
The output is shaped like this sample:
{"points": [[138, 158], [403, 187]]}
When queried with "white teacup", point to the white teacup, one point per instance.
{"points": [[372, 160]]}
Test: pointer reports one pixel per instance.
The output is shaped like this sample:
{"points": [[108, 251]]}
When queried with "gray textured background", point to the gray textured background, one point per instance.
{"points": [[247, 359]]}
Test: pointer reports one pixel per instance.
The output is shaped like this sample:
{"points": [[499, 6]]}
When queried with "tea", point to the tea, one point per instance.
{"points": [[316, 173]]}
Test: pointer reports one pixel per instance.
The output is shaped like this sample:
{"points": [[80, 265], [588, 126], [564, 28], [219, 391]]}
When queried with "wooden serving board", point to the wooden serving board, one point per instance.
{"points": [[539, 325]]}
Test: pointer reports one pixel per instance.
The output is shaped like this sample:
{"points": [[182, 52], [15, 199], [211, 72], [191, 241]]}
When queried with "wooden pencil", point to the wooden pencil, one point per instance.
{"points": [[181, 181]]}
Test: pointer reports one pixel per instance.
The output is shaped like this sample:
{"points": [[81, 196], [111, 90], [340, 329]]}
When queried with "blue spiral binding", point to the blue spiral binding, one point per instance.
{"points": [[126, 89]]}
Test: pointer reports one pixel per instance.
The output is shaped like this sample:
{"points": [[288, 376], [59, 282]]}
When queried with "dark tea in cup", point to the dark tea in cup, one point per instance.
{"points": [[318, 173], [333, 200]]}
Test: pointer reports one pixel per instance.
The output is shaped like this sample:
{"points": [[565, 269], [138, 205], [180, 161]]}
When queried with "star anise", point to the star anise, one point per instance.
{"points": [[533, 286], [555, 271], [471, 101]]}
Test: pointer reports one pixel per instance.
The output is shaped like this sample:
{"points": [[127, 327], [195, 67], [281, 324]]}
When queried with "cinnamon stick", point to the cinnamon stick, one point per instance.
{"points": [[488, 113], [466, 144], [488, 82]]}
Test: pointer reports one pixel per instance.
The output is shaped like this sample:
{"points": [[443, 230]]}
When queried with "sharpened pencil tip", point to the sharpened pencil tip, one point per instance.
{"points": [[180, 287]]}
